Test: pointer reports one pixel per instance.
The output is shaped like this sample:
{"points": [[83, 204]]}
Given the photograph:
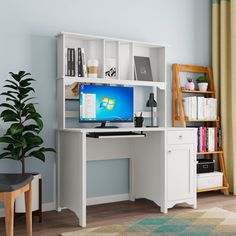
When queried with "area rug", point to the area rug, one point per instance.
{"points": [[213, 221]]}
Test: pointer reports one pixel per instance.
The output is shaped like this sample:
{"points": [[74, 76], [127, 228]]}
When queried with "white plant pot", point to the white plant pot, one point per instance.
{"points": [[203, 86], [20, 201]]}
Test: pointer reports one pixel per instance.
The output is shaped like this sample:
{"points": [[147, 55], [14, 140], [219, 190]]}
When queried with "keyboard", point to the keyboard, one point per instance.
{"points": [[107, 134]]}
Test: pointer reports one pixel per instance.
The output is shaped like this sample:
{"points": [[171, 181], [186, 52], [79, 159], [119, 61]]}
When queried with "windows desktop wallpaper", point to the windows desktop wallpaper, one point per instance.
{"points": [[113, 103]]}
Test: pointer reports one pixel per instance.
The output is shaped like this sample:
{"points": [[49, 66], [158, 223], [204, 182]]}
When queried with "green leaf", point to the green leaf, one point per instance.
{"points": [[23, 74], [16, 153], [9, 147], [12, 82], [39, 122], [9, 115], [26, 100], [16, 129], [8, 106], [8, 94], [15, 76], [43, 149], [20, 142], [38, 154], [5, 139], [10, 86], [5, 155], [33, 128], [24, 83]]}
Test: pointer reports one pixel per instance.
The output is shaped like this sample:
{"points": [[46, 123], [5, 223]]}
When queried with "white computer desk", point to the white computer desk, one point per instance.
{"points": [[148, 164]]}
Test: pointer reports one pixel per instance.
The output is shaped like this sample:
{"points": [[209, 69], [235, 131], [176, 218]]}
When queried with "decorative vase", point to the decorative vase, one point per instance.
{"points": [[190, 85], [202, 86], [20, 201]]}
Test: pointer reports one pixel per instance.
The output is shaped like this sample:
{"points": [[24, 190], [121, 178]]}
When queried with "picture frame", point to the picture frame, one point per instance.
{"points": [[142, 68]]}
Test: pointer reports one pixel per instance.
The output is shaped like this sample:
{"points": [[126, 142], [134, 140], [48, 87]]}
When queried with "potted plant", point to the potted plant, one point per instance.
{"points": [[22, 137], [202, 83]]}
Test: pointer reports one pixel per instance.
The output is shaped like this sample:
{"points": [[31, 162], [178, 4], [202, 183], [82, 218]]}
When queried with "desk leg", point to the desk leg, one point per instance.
{"points": [[83, 167]]}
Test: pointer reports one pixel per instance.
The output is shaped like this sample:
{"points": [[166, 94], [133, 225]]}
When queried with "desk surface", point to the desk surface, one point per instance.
{"points": [[133, 129]]}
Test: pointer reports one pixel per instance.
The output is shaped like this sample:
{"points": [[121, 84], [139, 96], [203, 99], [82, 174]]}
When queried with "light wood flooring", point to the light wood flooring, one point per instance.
{"points": [[55, 223]]}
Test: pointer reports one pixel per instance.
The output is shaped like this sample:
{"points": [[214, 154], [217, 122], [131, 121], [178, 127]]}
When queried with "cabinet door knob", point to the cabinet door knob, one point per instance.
{"points": [[169, 151], [180, 136]]}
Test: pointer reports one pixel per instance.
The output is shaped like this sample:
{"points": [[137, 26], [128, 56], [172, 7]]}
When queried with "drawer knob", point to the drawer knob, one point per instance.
{"points": [[180, 136], [169, 151]]}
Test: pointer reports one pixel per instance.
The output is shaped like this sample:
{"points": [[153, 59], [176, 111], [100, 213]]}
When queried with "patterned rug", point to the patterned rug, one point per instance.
{"points": [[214, 221]]}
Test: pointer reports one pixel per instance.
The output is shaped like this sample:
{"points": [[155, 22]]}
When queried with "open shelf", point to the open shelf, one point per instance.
{"points": [[196, 91], [70, 80], [187, 120], [213, 152], [211, 189]]}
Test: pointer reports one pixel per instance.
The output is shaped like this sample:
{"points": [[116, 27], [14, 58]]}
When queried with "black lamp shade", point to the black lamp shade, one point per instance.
{"points": [[151, 101]]}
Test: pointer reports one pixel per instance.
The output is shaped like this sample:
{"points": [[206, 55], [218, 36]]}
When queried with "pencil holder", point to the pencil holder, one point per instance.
{"points": [[138, 121]]}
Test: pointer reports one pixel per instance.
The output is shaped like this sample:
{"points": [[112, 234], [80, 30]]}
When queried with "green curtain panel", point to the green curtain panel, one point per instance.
{"points": [[224, 71]]}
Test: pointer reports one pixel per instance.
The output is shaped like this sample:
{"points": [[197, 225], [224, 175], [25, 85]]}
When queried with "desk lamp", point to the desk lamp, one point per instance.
{"points": [[151, 103]]}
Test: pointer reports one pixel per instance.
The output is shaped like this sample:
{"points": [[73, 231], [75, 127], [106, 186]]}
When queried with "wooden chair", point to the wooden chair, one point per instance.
{"points": [[11, 186]]}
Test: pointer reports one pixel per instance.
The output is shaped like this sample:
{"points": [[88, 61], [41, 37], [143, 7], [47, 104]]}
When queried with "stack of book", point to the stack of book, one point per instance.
{"points": [[75, 63], [200, 108], [209, 139]]}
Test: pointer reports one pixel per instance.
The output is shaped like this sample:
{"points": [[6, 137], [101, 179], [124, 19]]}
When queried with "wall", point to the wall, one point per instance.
{"points": [[27, 42]]}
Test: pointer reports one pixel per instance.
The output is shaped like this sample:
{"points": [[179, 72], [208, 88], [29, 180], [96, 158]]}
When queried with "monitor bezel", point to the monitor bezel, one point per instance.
{"points": [[107, 121]]}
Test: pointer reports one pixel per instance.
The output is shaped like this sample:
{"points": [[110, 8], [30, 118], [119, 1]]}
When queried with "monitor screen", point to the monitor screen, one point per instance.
{"points": [[100, 103]]}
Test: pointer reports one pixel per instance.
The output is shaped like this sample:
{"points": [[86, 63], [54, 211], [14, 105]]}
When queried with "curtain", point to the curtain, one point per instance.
{"points": [[224, 72]]}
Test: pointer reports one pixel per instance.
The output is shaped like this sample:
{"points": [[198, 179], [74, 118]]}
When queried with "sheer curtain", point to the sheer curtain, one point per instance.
{"points": [[224, 71]]}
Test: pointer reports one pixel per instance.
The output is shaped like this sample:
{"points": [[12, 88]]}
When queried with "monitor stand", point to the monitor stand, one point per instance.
{"points": [[103, 126]]}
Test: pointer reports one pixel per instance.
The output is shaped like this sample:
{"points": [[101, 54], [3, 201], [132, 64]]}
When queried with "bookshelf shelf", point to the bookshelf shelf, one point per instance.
{"points": [[178, 115], [188, 120], [196, 91], [71, 80], [212, 189], [206, 153]]}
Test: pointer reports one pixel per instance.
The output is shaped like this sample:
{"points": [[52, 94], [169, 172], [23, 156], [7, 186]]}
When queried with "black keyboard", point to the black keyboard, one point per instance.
{"points": [[123, 133]]}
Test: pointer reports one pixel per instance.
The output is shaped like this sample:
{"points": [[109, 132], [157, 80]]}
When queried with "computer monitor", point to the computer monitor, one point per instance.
{"points": [[103, 103]]}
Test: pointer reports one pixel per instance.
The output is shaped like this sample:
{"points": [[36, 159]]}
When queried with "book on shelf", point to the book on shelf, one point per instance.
{"points": [[200, 108], [209, 139], [70, 61], [75, 62]]}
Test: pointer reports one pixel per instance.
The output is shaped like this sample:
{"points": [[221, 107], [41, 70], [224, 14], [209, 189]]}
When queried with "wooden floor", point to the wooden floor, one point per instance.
{"points": [[55, 223]]}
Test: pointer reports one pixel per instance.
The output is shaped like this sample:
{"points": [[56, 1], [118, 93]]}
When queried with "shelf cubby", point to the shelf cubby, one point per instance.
{"points": [[120, 54]]}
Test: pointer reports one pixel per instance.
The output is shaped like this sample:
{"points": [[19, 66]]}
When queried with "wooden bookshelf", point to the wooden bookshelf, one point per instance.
{"points": [[179, 118]]}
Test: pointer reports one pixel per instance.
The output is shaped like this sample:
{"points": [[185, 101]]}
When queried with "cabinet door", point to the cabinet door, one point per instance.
{"points": [[181, 172]]}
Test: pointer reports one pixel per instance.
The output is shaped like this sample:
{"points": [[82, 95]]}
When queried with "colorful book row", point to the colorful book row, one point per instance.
{"points": [[209, 139]]}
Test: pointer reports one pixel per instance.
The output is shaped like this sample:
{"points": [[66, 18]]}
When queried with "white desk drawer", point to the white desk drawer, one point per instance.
{"points": [[180, 137]]}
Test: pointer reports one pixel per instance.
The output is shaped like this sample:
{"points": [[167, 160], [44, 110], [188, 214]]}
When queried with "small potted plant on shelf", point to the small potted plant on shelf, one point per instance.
{"points": [[22, 137], [202, 83]]}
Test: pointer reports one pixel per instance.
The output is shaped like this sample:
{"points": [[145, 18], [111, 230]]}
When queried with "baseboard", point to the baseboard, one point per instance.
{"points": [[50, 206], [107, 199]]}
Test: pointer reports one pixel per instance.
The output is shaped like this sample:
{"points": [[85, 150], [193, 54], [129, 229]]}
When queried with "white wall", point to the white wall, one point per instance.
{"points": [[27, 42]]}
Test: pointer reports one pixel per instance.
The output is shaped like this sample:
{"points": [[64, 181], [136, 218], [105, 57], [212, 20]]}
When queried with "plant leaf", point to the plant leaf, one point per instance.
{"points": [[12, 82], [20, 142], [8, 106], [38, 154], [5, 155], [5, 139], [9, 115], [16, 129]]}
